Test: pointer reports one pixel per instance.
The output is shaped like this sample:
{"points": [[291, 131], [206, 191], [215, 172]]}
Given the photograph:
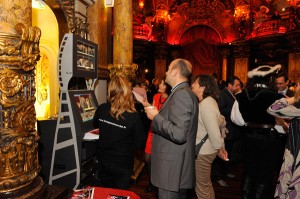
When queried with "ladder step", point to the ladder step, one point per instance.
{"points": [[64, 174], [65, 125], [64, 144], [65, 113]]}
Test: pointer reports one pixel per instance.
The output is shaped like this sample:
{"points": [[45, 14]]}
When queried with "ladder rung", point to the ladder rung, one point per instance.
{"points": [[64, 144], [63, 174], [65, 125], [65, 113]]}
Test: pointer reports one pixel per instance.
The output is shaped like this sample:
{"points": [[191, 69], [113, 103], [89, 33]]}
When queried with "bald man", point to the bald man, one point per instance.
{"points": [[175, 128]]}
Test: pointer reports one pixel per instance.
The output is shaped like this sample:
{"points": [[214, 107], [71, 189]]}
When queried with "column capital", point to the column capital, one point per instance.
{"points": [[123, 70]]}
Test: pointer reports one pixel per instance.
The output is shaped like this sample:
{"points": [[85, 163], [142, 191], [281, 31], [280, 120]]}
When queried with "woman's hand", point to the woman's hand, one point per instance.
{"points": [[223, 154], [290, 100], [224, 131]]}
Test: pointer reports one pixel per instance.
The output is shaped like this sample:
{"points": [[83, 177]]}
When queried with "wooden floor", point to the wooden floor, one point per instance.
{"points": [[232, 192]]}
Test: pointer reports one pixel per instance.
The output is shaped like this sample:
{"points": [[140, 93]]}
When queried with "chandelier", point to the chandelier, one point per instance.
{"points": [[242, 12]]}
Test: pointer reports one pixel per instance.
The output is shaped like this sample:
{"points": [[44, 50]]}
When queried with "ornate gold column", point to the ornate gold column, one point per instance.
{"points": [[241, 52], [225, 52], [19, 52], [122, 40]]}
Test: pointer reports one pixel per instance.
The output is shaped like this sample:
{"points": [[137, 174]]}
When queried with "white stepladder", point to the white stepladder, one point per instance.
{"points": [[65, 167], [64, 126]]}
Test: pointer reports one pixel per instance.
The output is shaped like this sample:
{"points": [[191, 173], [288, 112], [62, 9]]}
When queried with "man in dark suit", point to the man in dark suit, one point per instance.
{"points": [[282, 82], [175, 128], [225, 103]]}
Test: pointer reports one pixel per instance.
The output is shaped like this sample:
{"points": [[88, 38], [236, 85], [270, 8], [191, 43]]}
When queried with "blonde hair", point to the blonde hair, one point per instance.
{"points": [[120, 97]]}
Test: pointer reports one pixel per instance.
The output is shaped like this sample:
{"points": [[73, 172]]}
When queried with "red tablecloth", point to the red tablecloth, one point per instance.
{"points": [[103, 193]]}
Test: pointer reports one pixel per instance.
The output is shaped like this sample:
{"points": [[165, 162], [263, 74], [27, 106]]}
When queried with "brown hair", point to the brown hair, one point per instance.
{"points": [[120, 97], [211, 86]]}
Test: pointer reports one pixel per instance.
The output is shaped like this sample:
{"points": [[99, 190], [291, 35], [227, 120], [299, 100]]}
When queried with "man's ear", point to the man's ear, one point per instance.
{"points": [[174, 72]]}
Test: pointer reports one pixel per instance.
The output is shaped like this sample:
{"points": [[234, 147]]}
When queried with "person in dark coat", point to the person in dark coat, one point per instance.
{"points": [[225, 103], [121, 133], [261, 140]]}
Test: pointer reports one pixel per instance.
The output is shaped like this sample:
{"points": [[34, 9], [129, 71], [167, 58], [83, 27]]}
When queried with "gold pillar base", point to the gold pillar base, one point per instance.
{"points": [[36, 190]]}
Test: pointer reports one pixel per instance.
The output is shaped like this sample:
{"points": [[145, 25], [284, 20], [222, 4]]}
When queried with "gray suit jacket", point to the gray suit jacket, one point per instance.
{"points": [[173, 146]]}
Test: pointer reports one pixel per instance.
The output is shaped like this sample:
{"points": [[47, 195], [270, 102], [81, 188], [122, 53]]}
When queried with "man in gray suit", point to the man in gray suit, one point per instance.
{"points": [[175, 128]]}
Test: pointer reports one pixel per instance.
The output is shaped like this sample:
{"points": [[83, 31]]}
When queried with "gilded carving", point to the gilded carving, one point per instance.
{"points": [[128, 71], [11, 83], [75, 15], [9, 47], [19, 165], [30, 51], [42, 78], [24, 118], [200, 12], [19, 161], [68, 8]]}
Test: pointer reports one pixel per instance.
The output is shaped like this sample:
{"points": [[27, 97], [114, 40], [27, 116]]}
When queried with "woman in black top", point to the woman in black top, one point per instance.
{"points": [[121, 132]]}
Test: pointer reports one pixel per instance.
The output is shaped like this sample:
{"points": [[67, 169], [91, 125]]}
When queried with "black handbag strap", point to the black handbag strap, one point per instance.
{"points": [[203, 141], [199, 145]]}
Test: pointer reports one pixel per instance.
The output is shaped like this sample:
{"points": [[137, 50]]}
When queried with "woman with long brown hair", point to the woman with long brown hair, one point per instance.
{"points": [[121, 132]]}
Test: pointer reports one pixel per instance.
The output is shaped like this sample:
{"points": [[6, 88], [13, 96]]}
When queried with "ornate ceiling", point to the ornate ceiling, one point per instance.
{"points": [[168, 20]]}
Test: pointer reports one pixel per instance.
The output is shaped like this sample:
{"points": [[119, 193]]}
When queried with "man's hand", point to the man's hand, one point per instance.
{"points": [[151, 111], [146, 103]]}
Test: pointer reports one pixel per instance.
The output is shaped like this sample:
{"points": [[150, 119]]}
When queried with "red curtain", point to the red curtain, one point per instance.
{"points": [[201, 49]]}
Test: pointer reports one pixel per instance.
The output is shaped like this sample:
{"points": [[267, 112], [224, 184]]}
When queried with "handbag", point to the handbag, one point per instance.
{"points": [[199, 145]]}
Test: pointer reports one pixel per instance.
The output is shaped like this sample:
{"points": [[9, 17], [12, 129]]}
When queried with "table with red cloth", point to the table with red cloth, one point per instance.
{"points": [[103, 193]]}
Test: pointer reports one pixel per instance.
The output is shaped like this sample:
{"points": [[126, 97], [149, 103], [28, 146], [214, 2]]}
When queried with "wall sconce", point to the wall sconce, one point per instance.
{"points": [[141, 5], [109, 3]]}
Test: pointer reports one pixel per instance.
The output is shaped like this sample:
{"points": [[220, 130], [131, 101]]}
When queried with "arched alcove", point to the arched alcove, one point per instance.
{"points": [[47, 88], [200, 47]]}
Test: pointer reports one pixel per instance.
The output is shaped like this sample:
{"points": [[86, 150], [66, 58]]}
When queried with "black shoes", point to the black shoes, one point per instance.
{"points": [[222, 183], [230, 175]]}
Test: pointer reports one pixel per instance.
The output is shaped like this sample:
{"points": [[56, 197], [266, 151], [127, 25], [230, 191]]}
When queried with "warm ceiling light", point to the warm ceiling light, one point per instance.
{"points": [[242, 12], [141, 5], [39, 4], [109, 3]]}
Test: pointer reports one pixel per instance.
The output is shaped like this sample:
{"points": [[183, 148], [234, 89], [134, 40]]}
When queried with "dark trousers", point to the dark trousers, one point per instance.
{"points": [[260, 157], [165, 194], [112, 176]]}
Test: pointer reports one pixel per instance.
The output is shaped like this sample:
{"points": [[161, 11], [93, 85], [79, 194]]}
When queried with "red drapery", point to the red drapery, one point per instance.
{"points": [[200, 48]]}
